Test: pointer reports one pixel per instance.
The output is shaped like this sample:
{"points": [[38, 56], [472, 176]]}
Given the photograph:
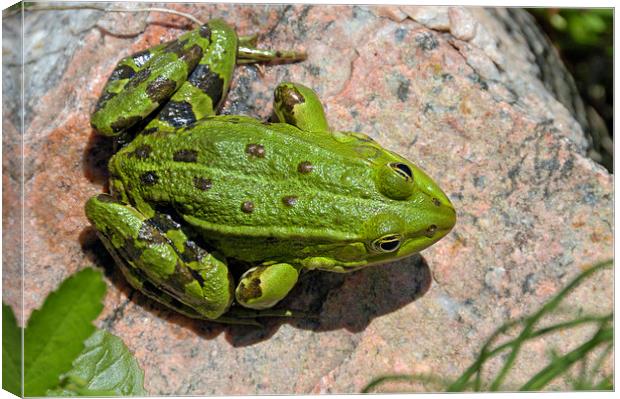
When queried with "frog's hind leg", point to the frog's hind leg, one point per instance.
{"points": [[203, 93], [156, 250], [299, 106], [141, 283], [125, 70], [141, 83]]}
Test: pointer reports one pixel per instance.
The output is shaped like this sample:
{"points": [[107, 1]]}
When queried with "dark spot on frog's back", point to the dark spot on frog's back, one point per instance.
{"points": [[208, 82], [150, 234], [289, 200], [149, 178], [177, 114], [192, 252], [130, 250], [185, 156], [202, 184], [255, 150], [305, 167], [141, 152], [247, 207], [436, 202], [163, 222], [124, 123], [176, 47], [160, 89], [251, 290], [148, 131], [107, 95]]}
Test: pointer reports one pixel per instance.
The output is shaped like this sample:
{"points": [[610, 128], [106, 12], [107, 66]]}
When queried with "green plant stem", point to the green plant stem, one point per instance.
{"points": [[527, 332], [561, 364], [423, 378]]}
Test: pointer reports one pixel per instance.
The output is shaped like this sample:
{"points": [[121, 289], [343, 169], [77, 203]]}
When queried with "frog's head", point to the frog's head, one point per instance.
{"points": [[417, 215], [407, 213]]}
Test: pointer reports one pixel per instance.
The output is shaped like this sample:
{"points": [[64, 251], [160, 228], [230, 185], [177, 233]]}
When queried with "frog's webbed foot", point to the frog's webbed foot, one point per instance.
{"points": [[248, 53], [158, 259], [299, 106]]}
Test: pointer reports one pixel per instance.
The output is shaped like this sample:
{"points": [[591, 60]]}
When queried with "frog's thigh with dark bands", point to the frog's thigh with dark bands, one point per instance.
{"points": [[206, 86], [149, 87], [159, 250], [141, 283], [126, 69], [197, 98]]}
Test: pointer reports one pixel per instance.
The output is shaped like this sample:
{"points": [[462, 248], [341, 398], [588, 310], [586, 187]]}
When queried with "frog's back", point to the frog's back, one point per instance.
{"points": [[236, 176]]}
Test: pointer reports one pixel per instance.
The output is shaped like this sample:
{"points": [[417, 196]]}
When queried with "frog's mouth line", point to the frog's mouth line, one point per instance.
{"points": [[421, 240], [414, 243]]}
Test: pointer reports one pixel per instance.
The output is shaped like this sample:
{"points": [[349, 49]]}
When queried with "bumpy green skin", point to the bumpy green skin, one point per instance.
{"points": [[282, 196]]}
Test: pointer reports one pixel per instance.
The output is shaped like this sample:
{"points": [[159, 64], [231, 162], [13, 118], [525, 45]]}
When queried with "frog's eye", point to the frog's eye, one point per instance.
{"points": [[387, 243], [403, 170], [395, 180]]}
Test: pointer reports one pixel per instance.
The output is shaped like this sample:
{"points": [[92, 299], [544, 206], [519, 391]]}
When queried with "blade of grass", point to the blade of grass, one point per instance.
{"points": [[532, 320], [423, 378], [562, 364], [476, 368]]}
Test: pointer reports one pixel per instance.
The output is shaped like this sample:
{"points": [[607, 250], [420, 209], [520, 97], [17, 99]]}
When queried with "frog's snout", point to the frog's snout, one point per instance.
{"points": [[441, 222]]}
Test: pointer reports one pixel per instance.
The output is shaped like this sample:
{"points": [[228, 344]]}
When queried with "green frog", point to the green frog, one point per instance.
{"points": [[192, 191]]}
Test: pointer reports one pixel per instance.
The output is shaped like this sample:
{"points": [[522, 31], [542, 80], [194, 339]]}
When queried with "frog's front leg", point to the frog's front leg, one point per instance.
{"points": [[157, 251], [299, 106]]}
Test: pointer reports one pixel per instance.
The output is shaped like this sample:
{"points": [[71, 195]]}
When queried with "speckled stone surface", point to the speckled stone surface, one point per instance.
{"points": [[446, 87]]}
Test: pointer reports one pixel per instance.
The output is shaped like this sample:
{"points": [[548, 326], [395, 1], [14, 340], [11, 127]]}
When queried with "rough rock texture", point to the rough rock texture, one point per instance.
{"points": [[446, 87]]}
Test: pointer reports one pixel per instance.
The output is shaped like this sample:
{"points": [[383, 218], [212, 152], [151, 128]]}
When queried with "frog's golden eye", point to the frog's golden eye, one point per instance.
{"points": [[395, 180], [387, 243], [402, 170]]}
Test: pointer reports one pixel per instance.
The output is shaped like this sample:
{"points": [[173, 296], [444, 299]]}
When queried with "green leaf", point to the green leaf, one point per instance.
{"points": [[104, 368], [55, 333], [11, 352]]}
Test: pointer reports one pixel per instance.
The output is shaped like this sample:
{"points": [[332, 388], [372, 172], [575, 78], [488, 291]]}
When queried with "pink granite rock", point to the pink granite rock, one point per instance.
{"points": [[446, 87]]}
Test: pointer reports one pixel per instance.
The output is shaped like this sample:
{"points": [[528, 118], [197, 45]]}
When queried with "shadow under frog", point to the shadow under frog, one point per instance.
{"points": [[333, 300], [349, 300]]}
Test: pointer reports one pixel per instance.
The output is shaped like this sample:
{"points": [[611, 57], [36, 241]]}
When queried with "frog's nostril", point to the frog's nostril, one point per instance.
{"points": [[430, 230]]}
